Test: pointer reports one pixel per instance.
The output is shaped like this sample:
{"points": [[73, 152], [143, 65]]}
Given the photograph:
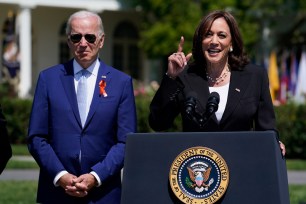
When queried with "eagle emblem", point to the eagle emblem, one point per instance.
{"points": [[199, 173]]}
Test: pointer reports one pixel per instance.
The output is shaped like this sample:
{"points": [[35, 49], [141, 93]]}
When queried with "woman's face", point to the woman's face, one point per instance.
{"points": [[217, 41]]}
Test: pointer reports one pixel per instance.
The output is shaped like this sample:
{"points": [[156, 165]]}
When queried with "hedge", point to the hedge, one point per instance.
{"points": [[291, 122], [17, 113]]}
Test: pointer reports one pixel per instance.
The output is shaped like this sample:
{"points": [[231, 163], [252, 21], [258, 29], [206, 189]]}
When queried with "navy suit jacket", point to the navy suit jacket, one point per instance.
{"points": [[249, 105], [5, 146], [56, 136]]}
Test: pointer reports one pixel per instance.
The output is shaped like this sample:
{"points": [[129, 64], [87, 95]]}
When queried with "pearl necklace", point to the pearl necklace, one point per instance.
{"points": [[219, 79]]}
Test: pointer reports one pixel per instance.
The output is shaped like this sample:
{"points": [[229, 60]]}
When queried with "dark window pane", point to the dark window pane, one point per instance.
{"points": [[133, 59], [126, 30], [125, 51], [118, 57], [64, 52]]}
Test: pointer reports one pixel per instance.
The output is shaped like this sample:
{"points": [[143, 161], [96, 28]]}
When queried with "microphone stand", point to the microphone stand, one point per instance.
{"points": [[211, 107], [199, 119]]}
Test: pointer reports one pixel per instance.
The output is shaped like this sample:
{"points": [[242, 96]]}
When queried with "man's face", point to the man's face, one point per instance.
{"points": [[84, 41]]}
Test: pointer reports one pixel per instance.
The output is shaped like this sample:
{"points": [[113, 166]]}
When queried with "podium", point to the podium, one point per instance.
{"points": [[257, 170]]}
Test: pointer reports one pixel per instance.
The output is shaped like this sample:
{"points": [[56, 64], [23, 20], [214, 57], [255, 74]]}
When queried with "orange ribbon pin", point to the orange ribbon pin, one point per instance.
{"points": [[102, 85]]}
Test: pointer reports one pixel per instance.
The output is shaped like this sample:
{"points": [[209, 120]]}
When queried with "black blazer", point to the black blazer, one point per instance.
{"points": [[5, 146], [249, 105]]}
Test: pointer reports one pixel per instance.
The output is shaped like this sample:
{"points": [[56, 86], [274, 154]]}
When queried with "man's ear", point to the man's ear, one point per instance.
{"points": [[101, 42], [68, 42]]}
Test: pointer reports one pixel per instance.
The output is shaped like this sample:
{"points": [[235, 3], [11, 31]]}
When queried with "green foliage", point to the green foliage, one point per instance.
{"points": [[291, 120], [142, 113], [291, 123], [142, 106], [165, 21], [17, 113], [143, 97]]}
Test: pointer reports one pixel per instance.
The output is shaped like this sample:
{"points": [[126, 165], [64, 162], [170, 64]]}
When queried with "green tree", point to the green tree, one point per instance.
{"points": [[264, 24], [164, 23]]}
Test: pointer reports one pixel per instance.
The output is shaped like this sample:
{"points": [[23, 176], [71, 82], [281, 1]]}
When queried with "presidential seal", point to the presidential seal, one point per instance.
{"points": [[199, 175]]}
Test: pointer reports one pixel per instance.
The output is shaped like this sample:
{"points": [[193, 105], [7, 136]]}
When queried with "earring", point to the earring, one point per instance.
{"points": [[231, 49]]}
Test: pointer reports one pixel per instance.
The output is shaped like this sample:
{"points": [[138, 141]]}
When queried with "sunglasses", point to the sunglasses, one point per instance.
{"points": [[75, 38]]}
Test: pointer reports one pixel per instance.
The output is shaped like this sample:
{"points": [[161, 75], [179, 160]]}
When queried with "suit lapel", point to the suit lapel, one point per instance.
{"points": [[197, 83], [238, 85], [68, 83], [103, 74]]}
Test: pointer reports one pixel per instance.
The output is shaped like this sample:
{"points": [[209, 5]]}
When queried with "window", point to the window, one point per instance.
{"points": [[64, 52], [126, 56]]}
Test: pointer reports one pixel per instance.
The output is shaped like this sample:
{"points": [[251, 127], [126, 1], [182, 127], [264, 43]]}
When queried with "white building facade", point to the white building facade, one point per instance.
{"points": [[42, 39]]}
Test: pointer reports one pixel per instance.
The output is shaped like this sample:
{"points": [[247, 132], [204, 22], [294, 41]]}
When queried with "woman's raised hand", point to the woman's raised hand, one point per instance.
{"points": [[177, 61]]}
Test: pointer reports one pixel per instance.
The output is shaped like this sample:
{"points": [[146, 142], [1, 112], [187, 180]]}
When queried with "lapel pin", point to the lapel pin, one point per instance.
{"points": [[102, 85], [103, 77], [236, 89]]}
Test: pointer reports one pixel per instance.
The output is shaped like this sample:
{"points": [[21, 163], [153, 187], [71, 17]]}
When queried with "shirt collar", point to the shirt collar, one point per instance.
{"points": [[93, 68]]}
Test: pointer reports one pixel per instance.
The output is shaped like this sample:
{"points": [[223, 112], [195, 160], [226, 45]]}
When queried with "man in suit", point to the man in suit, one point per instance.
{"points": [[5, 146], [80, 157]]}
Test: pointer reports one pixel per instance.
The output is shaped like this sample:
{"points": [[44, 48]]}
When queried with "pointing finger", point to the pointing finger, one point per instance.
{"points": [[181, 44]]}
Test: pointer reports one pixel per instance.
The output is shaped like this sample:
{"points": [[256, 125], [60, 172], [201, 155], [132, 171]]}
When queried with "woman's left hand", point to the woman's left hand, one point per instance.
{"points": [[282, 147]]}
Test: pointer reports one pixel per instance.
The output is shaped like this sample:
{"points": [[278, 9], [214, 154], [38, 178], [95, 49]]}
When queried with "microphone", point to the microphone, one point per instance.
{"points": [[212, 103], [211, 107], [190, 103]]}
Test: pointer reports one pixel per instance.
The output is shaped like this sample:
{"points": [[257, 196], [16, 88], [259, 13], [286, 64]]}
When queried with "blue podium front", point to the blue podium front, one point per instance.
{"points": [[255, 169]]}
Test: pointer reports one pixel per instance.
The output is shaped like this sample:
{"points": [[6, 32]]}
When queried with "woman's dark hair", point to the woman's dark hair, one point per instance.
{"points": [[237, 59]]}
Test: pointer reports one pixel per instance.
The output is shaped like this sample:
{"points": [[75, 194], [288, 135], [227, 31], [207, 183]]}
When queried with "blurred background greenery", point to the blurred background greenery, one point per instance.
{"points": [[291, 121], [264, 24]]}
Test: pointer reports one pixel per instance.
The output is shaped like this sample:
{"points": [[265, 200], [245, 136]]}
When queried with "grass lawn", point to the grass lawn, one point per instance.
{"points": [[18, 192], [24, 192], [297, 194], [296, 164], [20, 149], [17, 164], [292, 164]]}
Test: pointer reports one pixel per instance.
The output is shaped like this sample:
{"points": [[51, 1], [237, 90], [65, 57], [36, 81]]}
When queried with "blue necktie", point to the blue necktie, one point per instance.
{"points": [[82, 95]]}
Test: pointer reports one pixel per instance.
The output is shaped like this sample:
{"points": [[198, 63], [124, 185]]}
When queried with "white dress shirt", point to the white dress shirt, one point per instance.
{"points": [[91, 81], [223, 92]]}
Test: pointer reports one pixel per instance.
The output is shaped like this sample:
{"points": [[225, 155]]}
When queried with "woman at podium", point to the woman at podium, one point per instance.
{"points": [[219, 89]]}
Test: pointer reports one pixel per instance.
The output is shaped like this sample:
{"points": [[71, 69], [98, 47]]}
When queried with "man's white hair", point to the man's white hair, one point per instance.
{"points": [[85, 14]]}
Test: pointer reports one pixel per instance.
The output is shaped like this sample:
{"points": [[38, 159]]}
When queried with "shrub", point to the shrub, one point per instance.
{"points": [[17, 113], [291, 121]]}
